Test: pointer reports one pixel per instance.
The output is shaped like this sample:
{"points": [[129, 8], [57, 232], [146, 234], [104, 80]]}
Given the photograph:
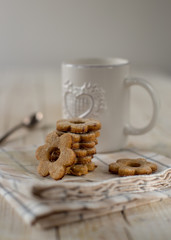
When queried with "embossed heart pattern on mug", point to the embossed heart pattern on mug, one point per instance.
{"points": [[83, 101], [79, 105]]}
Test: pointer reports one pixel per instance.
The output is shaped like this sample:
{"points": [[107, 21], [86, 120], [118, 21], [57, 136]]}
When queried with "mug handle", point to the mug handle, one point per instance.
{"points": [[130, 130]]}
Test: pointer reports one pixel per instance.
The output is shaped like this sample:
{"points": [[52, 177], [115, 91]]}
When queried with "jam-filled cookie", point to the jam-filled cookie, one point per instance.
{"points": [[55, 155]]}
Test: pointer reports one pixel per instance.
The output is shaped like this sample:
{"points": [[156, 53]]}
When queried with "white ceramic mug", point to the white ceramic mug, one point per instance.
{"points": [[100, 88]]}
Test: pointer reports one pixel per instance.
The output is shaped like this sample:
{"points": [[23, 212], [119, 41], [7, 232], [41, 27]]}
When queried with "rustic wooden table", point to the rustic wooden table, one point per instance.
{"points": [[23, 92]]}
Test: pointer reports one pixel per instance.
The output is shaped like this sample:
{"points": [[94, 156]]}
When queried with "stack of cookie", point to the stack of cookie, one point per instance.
{"points": [[84, 133]]}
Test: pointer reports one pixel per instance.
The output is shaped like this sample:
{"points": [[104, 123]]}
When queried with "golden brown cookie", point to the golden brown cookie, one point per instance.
{"points": [[84, 152], [91, 166], [77, 170], [81, 169], [51, 137], [55, 155], [127, 167], [84, 160], [84, 137], [83, 145], [78, 125]]}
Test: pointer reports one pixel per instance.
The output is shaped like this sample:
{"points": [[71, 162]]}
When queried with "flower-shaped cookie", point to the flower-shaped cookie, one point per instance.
{"points": [[83, 137], [78, 125], [127, 167], [55, 156], [77, 170]]}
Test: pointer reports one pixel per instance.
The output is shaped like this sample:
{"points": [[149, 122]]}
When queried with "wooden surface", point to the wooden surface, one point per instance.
{"points": [[23, 92]]}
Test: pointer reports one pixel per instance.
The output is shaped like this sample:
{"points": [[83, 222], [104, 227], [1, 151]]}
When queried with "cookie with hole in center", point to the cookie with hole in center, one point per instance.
{"points": [[129, 167], [85, 152], [84, 137], [81, 169], [83, 145], [91, 166], [78, 125], [77, 170], [84, 160], [55, 155]]}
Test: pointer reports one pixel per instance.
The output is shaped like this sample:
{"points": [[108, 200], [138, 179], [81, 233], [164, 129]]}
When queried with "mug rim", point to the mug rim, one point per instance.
{"points": [[95, 62]]}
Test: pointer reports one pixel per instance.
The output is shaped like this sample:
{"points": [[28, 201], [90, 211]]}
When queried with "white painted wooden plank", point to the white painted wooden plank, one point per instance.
{"points": [[12, 226], [149, 222]]}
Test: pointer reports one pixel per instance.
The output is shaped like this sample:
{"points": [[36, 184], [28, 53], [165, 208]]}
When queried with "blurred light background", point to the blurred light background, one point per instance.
{"points": [[42, 33]]}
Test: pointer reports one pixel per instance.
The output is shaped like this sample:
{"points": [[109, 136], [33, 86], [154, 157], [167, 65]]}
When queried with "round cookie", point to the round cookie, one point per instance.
{"points": [[128, 167], [78, 125]]}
